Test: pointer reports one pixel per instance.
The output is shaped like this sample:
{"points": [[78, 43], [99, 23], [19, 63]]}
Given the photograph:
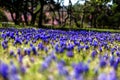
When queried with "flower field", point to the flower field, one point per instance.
{"points": [[42, 54]]}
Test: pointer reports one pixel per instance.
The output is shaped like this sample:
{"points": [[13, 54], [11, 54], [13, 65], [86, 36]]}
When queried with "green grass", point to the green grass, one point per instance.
{"points": [[67, 27]]}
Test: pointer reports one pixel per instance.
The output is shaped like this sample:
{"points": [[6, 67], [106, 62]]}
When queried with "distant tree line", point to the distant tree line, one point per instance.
{"points": [[96, 13]]}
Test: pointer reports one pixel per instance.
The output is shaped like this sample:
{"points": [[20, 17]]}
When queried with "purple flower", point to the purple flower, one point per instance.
{"points": [[102, 62], [14, 77], [100, 49], [70, 47], [34, 50], [31, 44], [106, 56], [61, 68], [118, 54], [86, 47], [46, 63], [86, 68], [19, 51], [17, 41], [112, 50], [94, 53], [13, 69], [26, 42], [4, 45], [112, 60], [112, 75], [102, 76], [44, 66], [40, 46], [80, 48], [95, 43], [4, 68], [27, 51], [70, 54], [23, 69], [20, 58], [11, 53], [115, 65], [79, 69]]}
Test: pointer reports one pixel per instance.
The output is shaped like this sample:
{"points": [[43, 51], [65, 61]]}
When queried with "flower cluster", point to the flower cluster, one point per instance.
{"points": [[46, 54]]}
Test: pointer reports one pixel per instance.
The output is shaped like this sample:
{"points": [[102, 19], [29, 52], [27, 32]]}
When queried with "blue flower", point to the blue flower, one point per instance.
{"points": [[4, 45], [118, 54], [46, 63], [28, 51], [4, 68], [33, 48], [11, 53], [112, 50], [17, 41], [26, 42], [40, 46], [20, 58], [80, 48], [100, 49], [79, 69], [18, 51], [102, 62], [115, 65], [70, 47], [95, 43], [31, 45], [86, 47], [112, 60], [106, 56], [70, 54], [61, 68], [3, 35], [86, 68], [94, 53]]}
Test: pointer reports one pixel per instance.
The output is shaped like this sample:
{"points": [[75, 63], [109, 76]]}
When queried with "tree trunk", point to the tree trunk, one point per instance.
{"points": [[17, 18], [25, 18], [33, 19], [41, 13], [94, 21], [82, 22]]}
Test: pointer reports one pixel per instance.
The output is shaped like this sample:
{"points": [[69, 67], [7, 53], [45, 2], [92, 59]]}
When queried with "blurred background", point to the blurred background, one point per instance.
{"points": [[104, 14]]}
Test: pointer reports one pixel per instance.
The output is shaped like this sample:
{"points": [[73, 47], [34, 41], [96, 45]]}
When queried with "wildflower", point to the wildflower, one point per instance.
{"points": [[94, 53], [11, 53], [70, 54], [17, 40], [19, 51], [4, 68], [112, 75], [4, 45], [40, 46], [102, 62], [33, 48], [102, 76], [61, 68], [118, 54], [22, 69]]}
